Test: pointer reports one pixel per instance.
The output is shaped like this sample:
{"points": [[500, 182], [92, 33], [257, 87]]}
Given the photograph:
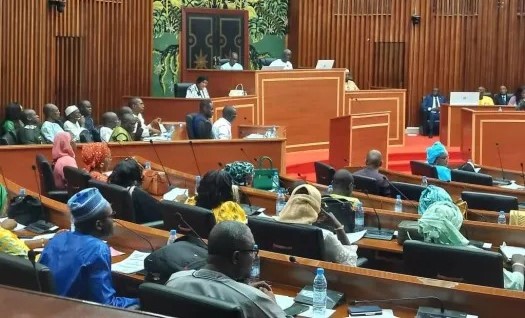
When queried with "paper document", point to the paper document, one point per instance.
{"points": [[18, 225], [114, 252], [285, 302], [254, 136], [310, 313], [508, 251], [174, 193], [354, 237], [387, 313], [134, 263], [512, 186]]}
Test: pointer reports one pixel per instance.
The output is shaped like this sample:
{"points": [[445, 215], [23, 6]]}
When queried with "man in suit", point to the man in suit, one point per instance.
{"points": [[374, 161], [202, 125], [430, 107], [502, 98]]}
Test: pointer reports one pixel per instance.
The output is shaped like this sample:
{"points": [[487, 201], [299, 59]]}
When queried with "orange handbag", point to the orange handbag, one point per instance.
{"points": [[155, 182]]}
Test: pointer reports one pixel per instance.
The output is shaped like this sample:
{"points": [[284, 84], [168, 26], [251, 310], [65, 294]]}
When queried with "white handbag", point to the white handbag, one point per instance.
{"points": [[238, 91]]}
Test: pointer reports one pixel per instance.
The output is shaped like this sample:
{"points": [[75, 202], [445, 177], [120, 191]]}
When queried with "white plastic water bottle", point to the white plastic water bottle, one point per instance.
{"points": [[147, 165], [330, 189], [359, 217], [353, 255], [424, 182], [197, 183], [255, 273], [502, 219], [173, 237], [275, 181], [399, 204], [22, 192], [274, 132], [319, 294], [281, 201]]}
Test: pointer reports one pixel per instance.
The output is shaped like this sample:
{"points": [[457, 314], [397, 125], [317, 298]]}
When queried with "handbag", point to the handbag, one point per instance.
{"points": [[26, 210], [238, 91], [155, 182], [265, 178]]}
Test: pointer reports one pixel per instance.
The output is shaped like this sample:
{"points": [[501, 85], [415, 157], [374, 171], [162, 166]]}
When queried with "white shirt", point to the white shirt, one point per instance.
{"points": [[228, 67], [287, 66], [49, 130], [145, 129], [105, 133], [222, 129], [194, 92], [74, 129]]}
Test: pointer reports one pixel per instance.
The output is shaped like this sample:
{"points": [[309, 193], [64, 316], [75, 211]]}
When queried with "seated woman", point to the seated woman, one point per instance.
{"points": [[304, 207], [63, 156], [437, 156], [198, 90], [440, 224], [97, 157], [12, 121], [431, 195], [215, 193], [128, 174]]}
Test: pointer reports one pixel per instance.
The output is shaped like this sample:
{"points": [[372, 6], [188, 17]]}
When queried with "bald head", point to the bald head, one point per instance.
{"points": [[374, 159], [228, 236], [51, 112], [110, 120], [343, 182], [287, 55], [124, 110], [229, 113]]}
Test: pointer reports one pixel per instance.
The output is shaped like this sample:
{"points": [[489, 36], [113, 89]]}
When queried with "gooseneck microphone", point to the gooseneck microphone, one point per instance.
{"points": [[396, 300], [379, 233], [161, 164], [31, 255], [195, 158], [192, 230], [500, 162], [136, 234], [246, 155]]}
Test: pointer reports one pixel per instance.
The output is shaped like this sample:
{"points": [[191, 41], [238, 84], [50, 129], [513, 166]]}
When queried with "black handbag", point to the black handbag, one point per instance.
{"points": [[26, 210]]}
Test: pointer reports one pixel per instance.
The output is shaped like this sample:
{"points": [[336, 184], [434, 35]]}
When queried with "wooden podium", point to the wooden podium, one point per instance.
{"points": [[351, 137]]}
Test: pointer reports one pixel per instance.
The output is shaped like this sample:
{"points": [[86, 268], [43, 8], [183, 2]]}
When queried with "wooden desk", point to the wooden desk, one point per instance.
{"points": [[246, 130], [392, 101], [221, 82], [450, 122], [482, 130], [352, 137]]}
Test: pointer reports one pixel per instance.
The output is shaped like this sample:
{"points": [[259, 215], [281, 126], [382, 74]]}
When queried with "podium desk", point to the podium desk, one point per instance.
{"points": [[221, 82]]}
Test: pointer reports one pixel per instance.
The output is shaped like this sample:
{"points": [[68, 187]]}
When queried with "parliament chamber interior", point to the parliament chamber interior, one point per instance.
{"points": [[256, 158]]}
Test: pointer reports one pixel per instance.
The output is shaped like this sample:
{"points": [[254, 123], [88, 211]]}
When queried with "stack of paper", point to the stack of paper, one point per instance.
{"points": [[134, 263]]}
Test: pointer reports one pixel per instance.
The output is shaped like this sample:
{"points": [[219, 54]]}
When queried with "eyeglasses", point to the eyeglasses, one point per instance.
{"points": [[253, 252]]}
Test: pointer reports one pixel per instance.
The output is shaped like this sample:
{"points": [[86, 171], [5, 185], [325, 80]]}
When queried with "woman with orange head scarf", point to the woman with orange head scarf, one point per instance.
{"points": [[97, 158], [63, 156]]}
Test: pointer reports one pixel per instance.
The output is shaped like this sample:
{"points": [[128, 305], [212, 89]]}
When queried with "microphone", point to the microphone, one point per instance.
{"points": [[501, 164], [136, 234], [246, 155], [220, 165], [195, 158], [181, 220], [440, 313], [31, 255], [377, 234], [400, 192], [161, 164], [521, 164]]}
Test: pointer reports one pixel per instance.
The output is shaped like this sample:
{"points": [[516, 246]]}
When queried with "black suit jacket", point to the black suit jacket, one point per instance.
{"points": [[498, 99]]}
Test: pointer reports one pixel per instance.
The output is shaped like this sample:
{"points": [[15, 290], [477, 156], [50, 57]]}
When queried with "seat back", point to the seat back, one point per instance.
{"points": [[85, 136], [420, 168], [18, 272], [471, 177], [202, 220], [171, 302], [411, 191], [181, 88], [118, 197], [343, 212], [291, 239], [45, 172], [8, 139], [77, 179], [455, 263], [189, 126], [324, 173], [489, 201], [266, 61], [366, 184]]}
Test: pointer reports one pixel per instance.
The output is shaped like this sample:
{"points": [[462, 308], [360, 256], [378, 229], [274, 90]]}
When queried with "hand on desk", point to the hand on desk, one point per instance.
{"points": [[265, 288]]}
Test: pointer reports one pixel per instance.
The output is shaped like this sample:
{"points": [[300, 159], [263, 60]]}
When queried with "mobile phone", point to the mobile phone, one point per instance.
{"points": [[296, 309]]}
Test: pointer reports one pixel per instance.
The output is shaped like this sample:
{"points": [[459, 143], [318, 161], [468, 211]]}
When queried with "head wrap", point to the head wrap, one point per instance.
{"points": [[431, 195], [435, 151], [70, 109], [94, 154], [441, 223], [87, 204], [229, 211], [302, 208], [62, 146]]}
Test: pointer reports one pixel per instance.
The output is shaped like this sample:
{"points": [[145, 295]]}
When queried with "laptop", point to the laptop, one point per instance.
{"points": [[324, 64], [273, 68], [464, 98]]}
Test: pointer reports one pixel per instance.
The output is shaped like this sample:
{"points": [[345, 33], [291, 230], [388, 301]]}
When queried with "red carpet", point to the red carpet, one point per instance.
{"points": [[302, 163]]}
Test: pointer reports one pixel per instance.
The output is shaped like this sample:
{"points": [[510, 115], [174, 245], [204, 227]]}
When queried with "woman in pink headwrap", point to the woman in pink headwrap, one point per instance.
{"points": [[63, 156]]}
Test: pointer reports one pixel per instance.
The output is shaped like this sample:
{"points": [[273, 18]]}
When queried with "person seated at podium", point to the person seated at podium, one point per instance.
{"points": [[440, 224], [284, 60], [231, 251], [437, 156], [198, 90], [51, 125], [517, 97], [97, 158], [30, 133], [109, 122], [222, 128], [304, 207], [502, 98], [63, 156], [350, 85], [202, 125], [374, 161], [342, 185], [430, 107], [233, 64], [81, 261], [124, 131], [484, 97]]}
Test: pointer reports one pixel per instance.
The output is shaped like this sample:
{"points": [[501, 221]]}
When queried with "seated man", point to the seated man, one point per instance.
{"points": [[109, 122], [484, 97], [30, 133], [51, 125], [81, 261], [124, 132], [222, 128], [86, 110], [202, 126], [74, 123], [232, 65], [152, 129], [437, 156], [284, 60], [231, 250], [430, 106], [374, 160], [342, 185], [502, 98], [350, 85]]}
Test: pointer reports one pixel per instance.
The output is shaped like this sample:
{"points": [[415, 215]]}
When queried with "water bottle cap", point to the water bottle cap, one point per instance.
{"points": [[173, 232], [320, 271], [398, 196], [502, 212], [255, 247]]}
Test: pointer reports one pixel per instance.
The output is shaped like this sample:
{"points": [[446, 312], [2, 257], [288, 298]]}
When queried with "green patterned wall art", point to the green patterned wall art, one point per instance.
{"points": [[268, 26]]}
